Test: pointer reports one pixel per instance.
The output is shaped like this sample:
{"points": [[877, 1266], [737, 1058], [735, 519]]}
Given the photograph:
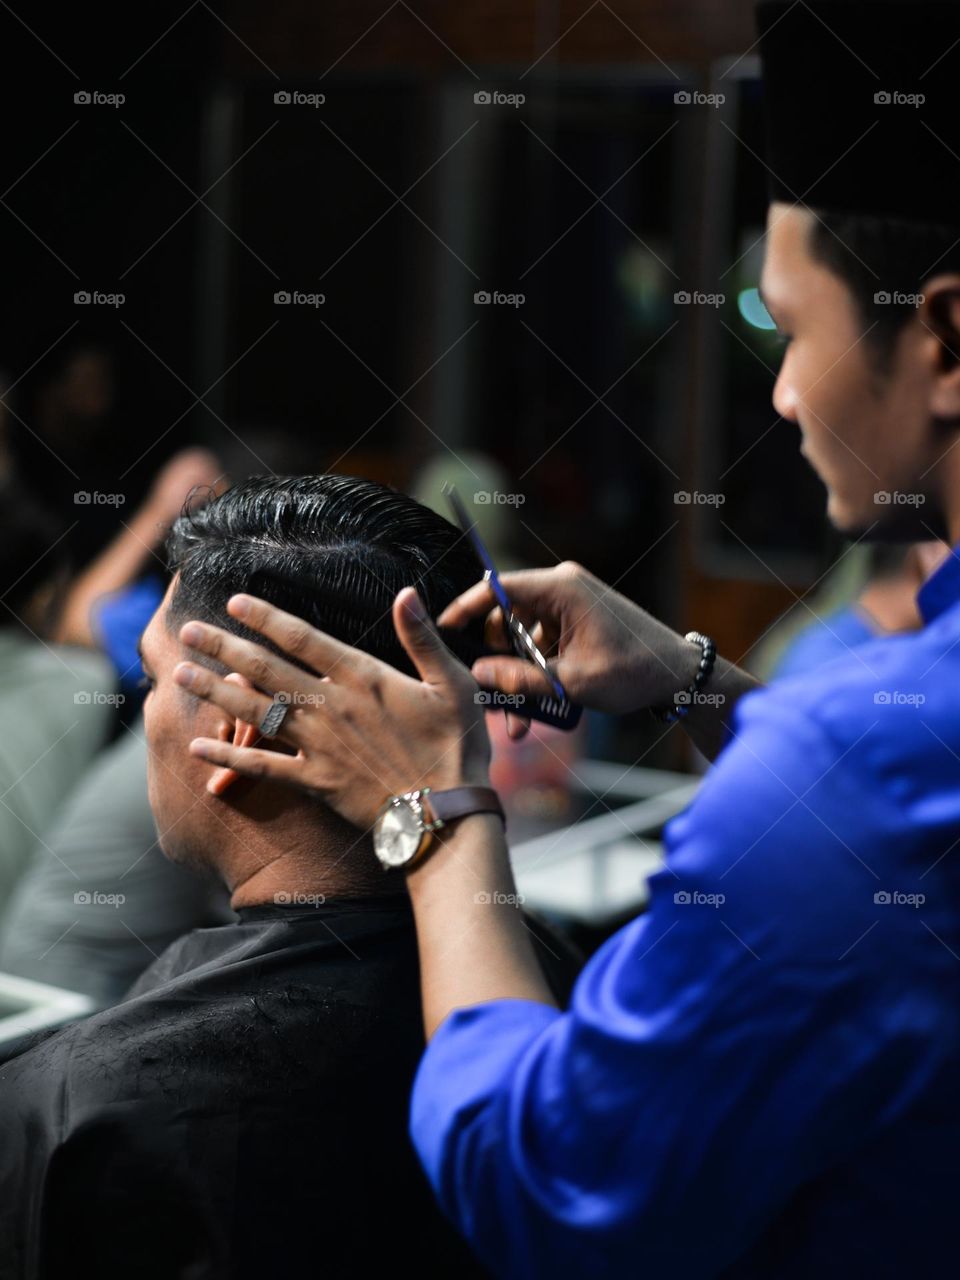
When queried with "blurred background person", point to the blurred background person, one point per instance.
{"points": [[110, 602], [56, 702], [76, 827], [871, 592]]}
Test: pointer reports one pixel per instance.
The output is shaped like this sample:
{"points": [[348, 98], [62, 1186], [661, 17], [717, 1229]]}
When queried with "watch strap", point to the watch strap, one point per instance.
{"points": [[457, 802]]}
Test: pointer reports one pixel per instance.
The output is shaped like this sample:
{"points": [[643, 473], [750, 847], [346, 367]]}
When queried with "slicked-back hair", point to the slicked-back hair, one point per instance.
{"points": [[332, 549]]}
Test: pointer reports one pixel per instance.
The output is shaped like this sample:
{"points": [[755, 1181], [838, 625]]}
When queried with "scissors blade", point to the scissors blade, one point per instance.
{"points": [[523, 643]]}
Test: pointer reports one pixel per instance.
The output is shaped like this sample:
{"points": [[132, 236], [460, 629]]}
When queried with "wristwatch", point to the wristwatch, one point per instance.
{"points": [[404, 827]]}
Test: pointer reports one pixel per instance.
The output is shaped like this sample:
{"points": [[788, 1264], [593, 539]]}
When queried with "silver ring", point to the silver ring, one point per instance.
{"points": [[273, 718]]}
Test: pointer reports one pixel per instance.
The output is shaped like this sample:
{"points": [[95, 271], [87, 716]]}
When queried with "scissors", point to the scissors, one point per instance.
{"points": [[558, 710]]}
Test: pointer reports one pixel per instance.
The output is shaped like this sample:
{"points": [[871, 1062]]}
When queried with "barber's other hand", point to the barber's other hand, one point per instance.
{"points": [[361, 730], [607, 652]]}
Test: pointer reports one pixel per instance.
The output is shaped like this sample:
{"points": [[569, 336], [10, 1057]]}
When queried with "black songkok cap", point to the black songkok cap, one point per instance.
{"points": [[862, 103]]}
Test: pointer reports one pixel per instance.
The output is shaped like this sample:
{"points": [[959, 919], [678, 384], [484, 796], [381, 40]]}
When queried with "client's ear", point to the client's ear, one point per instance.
{"points": [[242, 734]]}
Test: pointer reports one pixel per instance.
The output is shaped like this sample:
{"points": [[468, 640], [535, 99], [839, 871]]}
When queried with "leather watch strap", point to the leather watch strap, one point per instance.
{"points": [[457, 802]]}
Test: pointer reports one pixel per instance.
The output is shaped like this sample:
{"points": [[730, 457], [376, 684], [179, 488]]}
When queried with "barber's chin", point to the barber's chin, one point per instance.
{"points": [[812, 464], [846, 519]]}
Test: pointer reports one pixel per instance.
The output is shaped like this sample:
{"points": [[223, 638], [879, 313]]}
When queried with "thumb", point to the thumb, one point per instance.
{"points": [[433, 660]]}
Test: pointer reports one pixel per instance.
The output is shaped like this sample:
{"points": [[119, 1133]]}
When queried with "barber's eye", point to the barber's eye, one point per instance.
{"points": [[145, 682]]}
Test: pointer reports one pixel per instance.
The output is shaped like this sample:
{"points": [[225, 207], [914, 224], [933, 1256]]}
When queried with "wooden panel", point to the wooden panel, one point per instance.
{"points": [[296, 36]]}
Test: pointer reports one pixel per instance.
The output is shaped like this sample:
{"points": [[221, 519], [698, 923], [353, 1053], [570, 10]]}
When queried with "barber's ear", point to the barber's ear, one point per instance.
{"points": [[240, 733], [943, 322]]}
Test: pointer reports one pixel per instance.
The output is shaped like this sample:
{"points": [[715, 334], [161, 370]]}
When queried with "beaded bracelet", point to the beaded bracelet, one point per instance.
{"points": [[683, 698]]}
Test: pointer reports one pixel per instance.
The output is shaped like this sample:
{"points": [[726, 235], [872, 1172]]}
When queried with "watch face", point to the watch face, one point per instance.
{"points": [[398, 835]]}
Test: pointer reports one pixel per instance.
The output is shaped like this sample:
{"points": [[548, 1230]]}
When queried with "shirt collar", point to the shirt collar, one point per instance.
{"points": [[942, 588]]}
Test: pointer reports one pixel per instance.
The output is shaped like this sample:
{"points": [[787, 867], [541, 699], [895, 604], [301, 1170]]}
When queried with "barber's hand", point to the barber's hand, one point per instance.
{"points": [[362, 730], [607, 652]]}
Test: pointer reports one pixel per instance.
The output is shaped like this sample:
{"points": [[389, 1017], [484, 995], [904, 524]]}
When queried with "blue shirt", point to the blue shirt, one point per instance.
{"points": [[823, 639], [759, 1077]]}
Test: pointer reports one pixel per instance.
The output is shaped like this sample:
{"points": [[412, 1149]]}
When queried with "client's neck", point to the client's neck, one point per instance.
{"points": [[308, 872]]}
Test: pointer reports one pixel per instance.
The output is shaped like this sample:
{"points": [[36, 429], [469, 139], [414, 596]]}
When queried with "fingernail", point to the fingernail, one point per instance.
{"points": [[415, 608], [183, 674], [239, 606], [197, 748], [191, 633]]}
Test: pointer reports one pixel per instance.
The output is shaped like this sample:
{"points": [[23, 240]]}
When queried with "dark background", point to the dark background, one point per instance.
{"points": [[200, 198]]}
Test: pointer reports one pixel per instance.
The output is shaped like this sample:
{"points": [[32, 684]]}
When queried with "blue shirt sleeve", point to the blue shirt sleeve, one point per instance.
{"points": [[119, 620], [761, 1020]]}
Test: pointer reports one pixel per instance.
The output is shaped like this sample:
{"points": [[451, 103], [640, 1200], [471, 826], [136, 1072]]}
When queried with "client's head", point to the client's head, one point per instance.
{"points": [[334, 550]]}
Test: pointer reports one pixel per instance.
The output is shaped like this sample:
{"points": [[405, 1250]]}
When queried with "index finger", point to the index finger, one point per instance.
{"points": [[531, 590], [261, 666], [298, 639]]}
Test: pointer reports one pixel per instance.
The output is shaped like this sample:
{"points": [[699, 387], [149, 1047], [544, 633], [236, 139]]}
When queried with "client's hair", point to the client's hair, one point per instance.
{"points": [[334, 550]]}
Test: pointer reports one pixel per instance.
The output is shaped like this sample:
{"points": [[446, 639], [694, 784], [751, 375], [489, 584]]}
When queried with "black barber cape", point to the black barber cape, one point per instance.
{"points": [[242, 1113]]}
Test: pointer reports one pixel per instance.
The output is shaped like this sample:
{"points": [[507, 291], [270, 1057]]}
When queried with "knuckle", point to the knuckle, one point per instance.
{"points": [[507, 680], [260, 671], [212, 642], [297, 640]]}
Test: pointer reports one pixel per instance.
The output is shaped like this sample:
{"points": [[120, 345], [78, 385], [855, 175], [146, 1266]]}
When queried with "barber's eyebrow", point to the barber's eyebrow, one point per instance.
{"points": [[143, 661]]}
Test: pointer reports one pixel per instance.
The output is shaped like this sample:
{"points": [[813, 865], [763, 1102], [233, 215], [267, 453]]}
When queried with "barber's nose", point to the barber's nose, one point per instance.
{"points": [[785, 398]]}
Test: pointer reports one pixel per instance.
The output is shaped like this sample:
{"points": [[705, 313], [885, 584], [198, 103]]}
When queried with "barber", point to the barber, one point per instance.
{"points": [[757, 1078]]}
